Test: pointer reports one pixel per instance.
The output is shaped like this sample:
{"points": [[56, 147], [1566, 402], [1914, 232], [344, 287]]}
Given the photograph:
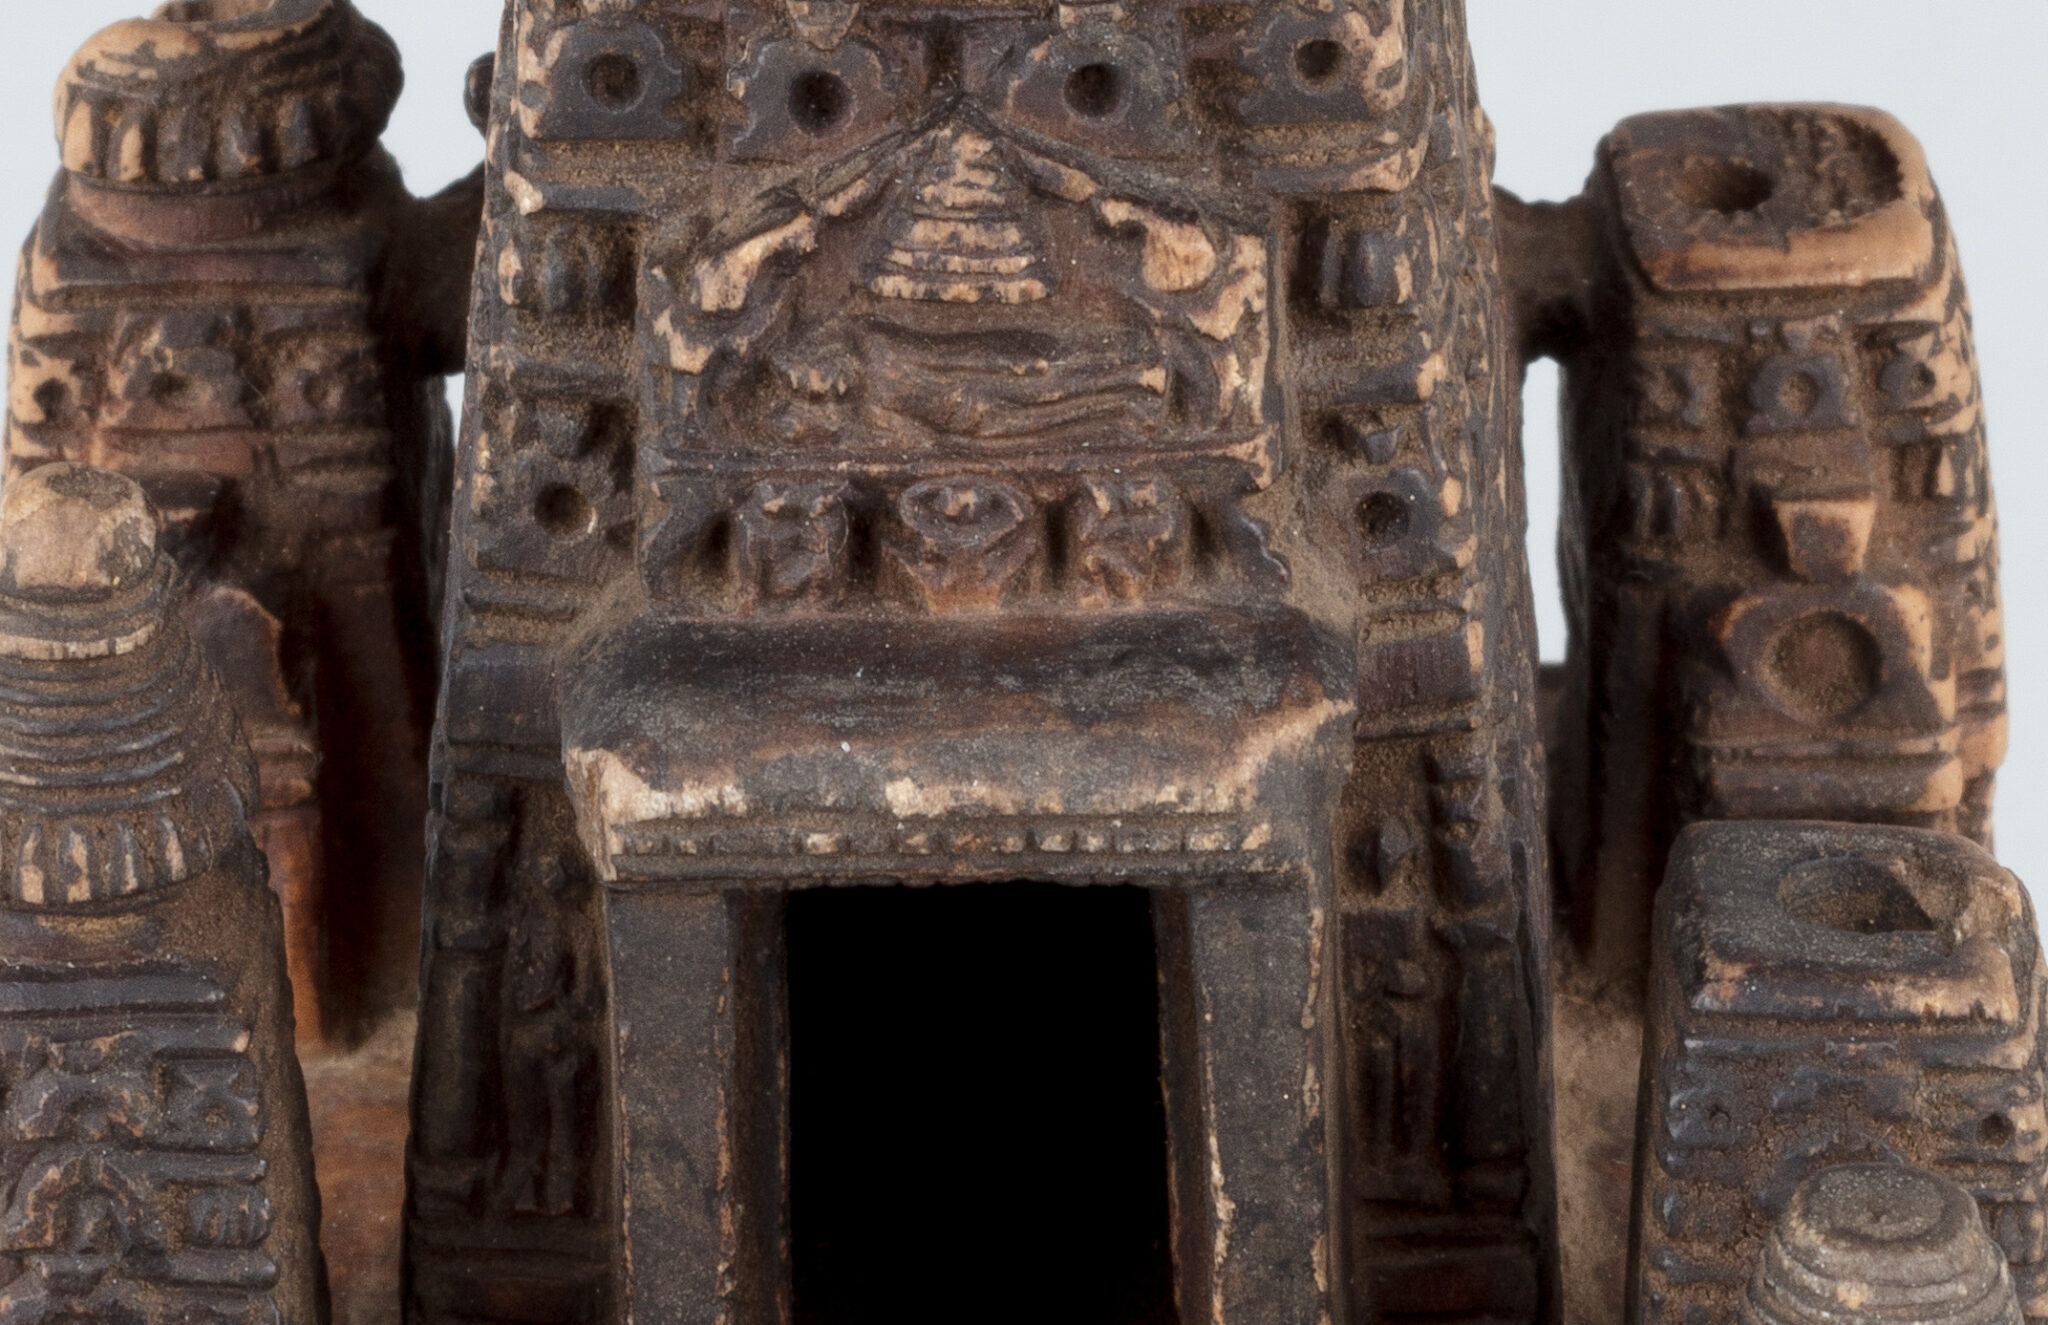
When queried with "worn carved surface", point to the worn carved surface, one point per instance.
{"points": [[1780, 542], [231, 298], [987, 721], [884, 464], [1894, 1240], [1833, 994], [1784, 568], [154, 1156], [1887, 1237]]}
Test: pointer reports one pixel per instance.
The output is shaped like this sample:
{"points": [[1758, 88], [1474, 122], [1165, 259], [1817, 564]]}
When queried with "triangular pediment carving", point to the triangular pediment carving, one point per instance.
{"points": [[863, 318]]}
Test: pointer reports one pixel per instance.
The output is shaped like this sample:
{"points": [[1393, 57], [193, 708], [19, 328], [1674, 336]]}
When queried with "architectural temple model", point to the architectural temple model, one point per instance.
{"points": [[956, 735]]}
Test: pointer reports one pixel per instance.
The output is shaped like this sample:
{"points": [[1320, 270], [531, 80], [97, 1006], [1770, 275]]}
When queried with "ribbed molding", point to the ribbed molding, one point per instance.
{"points": [[122, 768], [226, 90], [1881, 1242]]}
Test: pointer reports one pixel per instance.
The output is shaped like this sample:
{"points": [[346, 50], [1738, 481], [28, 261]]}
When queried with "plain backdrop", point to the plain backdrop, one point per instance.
{"points": [[1556, 74]]}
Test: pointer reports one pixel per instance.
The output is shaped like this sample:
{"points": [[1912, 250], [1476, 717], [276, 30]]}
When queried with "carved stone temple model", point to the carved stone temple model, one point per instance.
{"points": [[989, 760], [153, 1135]]}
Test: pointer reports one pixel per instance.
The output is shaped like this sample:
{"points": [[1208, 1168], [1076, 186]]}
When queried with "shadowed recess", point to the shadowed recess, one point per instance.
{"points": [[978, 1131]]}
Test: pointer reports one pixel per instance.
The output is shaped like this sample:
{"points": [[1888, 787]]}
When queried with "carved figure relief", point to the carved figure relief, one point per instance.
{"points": [[992, 453], [981, 327]]}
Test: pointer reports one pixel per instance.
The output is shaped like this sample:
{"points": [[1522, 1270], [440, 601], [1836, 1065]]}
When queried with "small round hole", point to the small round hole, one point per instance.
{"points": [[1095, 90], [1799, 395], [1824, 667], [563, 511], [1318, 62], [1384, 518], [613, 81], [818, 101], [1854, 894], [1715, 184], [1995, 1132]]}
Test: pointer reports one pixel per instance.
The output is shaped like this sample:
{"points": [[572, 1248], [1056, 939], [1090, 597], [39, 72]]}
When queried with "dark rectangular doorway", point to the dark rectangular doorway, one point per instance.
{"points": [[978, 1132]]}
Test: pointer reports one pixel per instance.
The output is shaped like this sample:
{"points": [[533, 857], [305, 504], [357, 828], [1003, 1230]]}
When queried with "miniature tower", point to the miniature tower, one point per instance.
{"points": [[1832, 994], [231, 297], [154, 1156], [1880, 1242], [1784, 550], [1069, 444]]}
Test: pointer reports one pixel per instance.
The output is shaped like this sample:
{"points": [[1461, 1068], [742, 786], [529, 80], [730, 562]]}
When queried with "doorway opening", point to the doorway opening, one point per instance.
{"points": [[978, 1131]]}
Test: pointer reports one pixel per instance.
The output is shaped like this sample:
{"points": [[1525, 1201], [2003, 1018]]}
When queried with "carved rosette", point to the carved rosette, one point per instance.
{"points": [[121, 767], [1339, 108], [964, 542], [792, 543], [1133, 535]]}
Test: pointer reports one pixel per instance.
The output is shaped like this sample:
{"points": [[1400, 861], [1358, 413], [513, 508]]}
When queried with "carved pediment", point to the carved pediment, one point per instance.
{"points": [[958, 306], [1119, 305]]}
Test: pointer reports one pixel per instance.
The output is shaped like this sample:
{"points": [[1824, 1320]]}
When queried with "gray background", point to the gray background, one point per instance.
{"points": [[1965, 76]]}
